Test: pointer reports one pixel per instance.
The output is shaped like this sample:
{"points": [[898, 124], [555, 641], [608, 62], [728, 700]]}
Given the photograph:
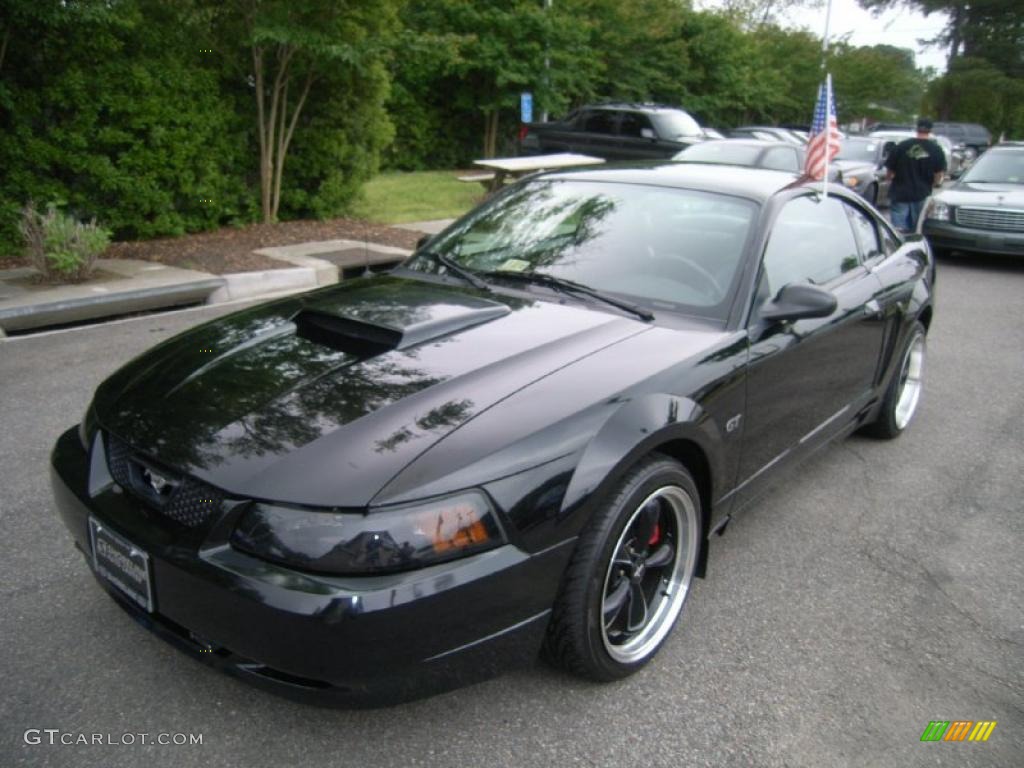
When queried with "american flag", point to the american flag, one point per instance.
{"points": [[824, 141]]}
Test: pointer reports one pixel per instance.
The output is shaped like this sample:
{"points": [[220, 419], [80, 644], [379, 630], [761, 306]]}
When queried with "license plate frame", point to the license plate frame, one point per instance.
{"points": [[121, 564]]}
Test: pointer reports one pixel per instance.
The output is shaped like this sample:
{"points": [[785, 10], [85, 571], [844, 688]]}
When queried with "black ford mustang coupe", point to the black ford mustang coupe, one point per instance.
{"points": [[523, 437]]}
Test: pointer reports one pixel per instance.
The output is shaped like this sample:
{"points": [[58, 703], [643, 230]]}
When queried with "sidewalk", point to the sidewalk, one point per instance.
{"points": [[123, 286]]}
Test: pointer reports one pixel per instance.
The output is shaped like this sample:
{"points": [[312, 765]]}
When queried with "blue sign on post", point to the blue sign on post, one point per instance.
{"points": [[526, 107]]}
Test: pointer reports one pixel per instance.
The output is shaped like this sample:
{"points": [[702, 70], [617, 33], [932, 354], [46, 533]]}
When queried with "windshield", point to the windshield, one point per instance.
{"points": [[863, 150], [672, 249], [672, 123], [720, 152], [997, 167]]}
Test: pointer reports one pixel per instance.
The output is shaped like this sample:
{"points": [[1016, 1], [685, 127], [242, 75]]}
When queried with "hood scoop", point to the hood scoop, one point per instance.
{"points": [[371, 322]]}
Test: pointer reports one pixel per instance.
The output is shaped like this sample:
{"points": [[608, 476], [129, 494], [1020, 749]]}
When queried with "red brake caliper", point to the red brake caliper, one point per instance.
{"points": [[656, 536]]}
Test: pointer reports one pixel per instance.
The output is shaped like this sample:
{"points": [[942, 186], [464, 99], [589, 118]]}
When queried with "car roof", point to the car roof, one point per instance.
{"points": [[745, 142], [739, 181], [633, 106]]}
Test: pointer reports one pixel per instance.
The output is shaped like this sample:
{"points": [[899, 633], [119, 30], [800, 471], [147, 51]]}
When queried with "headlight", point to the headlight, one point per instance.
{"points": [[938, 211], [386, 539], [850, 181]]}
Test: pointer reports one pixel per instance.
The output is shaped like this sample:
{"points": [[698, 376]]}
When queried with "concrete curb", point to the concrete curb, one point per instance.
{"points": [[177, 287], [251, 285], [28, 316], [324, 273]]}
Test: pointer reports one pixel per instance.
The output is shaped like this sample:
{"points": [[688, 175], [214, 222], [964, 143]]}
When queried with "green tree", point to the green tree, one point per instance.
{"points": [[284, 49], [114, 109], [876, 82]]}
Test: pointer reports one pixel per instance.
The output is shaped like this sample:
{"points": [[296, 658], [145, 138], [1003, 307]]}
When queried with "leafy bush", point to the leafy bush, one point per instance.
{"points": [[61, 248]]}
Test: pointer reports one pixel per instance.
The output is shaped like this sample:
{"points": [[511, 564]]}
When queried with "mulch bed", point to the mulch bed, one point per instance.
{"points": [[231, 249]]}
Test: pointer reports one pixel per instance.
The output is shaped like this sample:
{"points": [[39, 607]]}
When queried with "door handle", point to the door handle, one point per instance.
{"points": [[873, 309]]}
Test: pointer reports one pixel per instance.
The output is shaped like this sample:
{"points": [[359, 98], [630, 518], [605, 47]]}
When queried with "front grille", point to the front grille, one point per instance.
{"points": [[179, 497], [1001, 219]]}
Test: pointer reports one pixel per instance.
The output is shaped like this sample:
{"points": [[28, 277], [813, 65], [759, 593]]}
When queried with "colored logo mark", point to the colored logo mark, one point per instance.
{"points": [[958, 730]]}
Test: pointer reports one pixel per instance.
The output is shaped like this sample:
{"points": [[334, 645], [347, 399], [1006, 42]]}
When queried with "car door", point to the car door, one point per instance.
{"points": [[808, 378], [598, 134]]}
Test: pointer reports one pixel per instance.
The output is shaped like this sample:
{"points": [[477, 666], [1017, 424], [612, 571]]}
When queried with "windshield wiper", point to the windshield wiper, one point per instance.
{"points": [[570, 286], [456, 269]]}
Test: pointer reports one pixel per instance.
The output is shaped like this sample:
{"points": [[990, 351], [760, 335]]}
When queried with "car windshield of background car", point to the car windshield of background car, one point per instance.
{"points": [[857, 149], [997, 168], [675, 123]]}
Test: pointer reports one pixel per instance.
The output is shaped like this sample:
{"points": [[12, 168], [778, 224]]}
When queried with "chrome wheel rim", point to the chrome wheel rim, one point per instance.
{"points": [[649, 575], [911, 382]]}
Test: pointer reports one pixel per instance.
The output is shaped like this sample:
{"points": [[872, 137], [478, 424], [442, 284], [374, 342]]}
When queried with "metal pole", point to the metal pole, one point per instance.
{"points": [[547, 70], [824, 40]]}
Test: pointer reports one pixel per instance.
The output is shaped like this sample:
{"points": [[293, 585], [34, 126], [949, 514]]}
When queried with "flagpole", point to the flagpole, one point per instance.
{"points": [[828, 89], [824, 40], [828, 129]]}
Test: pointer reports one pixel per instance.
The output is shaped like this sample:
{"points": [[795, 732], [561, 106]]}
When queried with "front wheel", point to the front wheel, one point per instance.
{"points": [[630, 576], [904, 391]]}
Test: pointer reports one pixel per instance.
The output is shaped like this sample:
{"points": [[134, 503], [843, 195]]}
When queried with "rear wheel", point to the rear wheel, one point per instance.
{"points": [[630, 575], [904, 392]]}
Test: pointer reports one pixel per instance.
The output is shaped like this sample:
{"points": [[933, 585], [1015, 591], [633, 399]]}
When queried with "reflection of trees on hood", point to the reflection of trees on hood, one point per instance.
{"points": [[443, 417], [267, 392]]}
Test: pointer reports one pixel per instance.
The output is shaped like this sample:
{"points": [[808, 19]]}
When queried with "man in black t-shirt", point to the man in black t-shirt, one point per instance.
{"points": [[915, 167]]}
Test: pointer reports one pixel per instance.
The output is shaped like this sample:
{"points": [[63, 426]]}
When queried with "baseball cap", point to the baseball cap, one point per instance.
{"points": [[924, 124]]}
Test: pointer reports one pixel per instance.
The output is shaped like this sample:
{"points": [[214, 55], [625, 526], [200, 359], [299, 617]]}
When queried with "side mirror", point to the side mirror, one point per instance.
{"points": [[797, 301], [647, 133], [422, 241]]}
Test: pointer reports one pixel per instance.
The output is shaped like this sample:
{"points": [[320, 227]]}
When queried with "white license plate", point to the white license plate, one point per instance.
{"points": [[121, 563]]}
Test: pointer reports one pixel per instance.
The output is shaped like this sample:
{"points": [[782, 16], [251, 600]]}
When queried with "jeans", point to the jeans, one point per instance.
{"points": [[905, 215]]}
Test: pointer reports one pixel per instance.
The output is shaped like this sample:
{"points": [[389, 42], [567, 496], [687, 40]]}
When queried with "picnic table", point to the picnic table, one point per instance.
{"points": [[502, 168]]}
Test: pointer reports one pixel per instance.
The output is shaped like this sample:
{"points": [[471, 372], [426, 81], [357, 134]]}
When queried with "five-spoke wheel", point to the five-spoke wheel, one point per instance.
{"points": [[631, 573]]}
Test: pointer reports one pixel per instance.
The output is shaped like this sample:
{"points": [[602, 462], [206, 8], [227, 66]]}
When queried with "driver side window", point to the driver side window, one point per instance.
{"points": [[811, 241]]}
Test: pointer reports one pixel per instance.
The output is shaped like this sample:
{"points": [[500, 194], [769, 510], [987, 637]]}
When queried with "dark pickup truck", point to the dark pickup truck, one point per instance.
{"points": [[615, 132]]}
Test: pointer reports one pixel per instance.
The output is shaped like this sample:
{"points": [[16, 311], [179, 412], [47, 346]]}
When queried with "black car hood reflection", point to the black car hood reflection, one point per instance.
{"points": [[256, 406]]}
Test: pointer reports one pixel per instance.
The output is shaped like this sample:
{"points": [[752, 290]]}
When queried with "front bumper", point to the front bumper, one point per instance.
{"points": [[949, 236], [343, 641]]}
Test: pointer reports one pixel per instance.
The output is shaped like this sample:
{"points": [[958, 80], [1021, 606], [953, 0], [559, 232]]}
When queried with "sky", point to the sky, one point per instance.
{"points": [[900, 27]]}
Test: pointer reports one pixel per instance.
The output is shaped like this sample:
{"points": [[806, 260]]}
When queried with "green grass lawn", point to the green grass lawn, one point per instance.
{"points": [[394, 198]]}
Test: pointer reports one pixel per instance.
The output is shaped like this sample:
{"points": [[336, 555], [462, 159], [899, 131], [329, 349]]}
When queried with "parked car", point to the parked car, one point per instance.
{"points": [[615, 132], [858, 164], [954, 159], [526, 434], [984, 211], [753, 153], [970, 135], [768, 133], [861, 167]]}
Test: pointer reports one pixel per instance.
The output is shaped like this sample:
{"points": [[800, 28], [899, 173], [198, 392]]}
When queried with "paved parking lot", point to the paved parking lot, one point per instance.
{"points": [[882, 587]]}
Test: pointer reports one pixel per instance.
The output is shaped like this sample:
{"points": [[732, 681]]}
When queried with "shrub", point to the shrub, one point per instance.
{"points": [[62, 249]]}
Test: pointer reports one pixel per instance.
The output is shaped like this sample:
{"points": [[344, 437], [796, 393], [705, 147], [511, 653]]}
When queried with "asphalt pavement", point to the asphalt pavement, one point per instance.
{"points": [[881, 587]]}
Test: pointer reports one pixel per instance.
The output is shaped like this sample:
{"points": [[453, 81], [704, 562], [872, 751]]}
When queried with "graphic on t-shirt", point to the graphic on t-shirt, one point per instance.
{"points": [[917, 152]]}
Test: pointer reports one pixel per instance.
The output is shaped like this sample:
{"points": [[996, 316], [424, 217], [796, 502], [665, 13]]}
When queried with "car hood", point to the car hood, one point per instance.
{"points": [[322, 398], [992, 195]]}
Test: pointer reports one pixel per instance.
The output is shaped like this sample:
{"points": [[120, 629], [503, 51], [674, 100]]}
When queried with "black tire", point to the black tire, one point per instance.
{"points": [[579, 638], [893, 417]]}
